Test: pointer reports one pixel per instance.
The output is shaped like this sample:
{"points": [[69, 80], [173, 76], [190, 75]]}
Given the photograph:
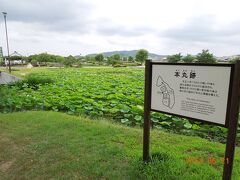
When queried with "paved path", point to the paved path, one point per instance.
{"points": [[6, 78]]}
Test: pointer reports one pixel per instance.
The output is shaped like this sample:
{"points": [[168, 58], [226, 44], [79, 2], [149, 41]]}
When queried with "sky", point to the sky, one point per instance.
{"points": [[164, 27]]}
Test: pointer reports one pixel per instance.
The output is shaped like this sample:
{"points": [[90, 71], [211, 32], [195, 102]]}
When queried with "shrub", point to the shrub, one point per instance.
{"points": [[33, 80], [119, 65]]}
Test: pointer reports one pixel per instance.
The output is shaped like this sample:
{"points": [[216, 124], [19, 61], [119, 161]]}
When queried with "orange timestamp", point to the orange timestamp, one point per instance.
{"points": [[210, 160]]}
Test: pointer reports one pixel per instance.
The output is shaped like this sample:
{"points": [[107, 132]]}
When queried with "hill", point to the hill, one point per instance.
{"points": [[130, 53]]}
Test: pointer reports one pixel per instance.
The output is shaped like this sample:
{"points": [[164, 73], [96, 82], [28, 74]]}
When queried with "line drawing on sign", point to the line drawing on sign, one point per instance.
{"points": [[168, 93]]}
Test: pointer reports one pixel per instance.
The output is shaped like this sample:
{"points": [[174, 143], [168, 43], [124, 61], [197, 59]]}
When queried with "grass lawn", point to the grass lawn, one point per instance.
{"points": [[21, 72], [52, 145]]}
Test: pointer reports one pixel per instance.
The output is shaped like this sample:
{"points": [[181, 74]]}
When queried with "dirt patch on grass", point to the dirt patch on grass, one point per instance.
{"points": [[7, 144], [6, 165], [9, 149]]}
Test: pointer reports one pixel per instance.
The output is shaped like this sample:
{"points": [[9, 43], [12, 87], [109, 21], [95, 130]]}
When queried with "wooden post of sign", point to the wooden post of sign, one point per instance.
{"points": [[147, 104], [233, 123]]}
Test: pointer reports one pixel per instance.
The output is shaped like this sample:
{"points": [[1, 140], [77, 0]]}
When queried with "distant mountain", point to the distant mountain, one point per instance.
{"points": [[130, 53]]}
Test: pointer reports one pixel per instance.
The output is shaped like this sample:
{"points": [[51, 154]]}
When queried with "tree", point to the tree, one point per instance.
{"points": [[141, 55], [16, 58], [130, 59], [116, 57], [99, 58], [90, 59], [69, 61], [110, 60], [1, 60], [1, 57], [31, 58], [174, 58], [188, 58], [80, 58], [59, 59], [234, 60], [44, 57], [205, 57]]}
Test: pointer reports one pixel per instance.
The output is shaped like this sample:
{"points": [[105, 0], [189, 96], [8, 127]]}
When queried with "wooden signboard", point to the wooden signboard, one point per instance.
{"points": [[203, 92]]}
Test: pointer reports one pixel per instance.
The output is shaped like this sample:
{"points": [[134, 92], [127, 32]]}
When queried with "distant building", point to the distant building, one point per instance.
{"points": [[227, 58], [160, 59], [223, 59], [18, 59]]}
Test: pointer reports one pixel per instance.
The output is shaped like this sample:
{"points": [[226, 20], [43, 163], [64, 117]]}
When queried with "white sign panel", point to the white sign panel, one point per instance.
{"points": [[198, 92]]}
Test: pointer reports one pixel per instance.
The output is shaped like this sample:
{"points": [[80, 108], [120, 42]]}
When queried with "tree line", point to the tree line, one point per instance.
{"points": [[44, 59], [204, 57], [115, 60]]}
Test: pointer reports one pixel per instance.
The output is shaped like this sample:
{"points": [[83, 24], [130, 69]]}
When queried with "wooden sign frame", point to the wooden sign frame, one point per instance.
{"points": [[231, 122]]}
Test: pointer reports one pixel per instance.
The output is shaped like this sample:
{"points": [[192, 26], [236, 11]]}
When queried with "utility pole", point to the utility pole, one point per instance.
{"points": [[9, 64]]}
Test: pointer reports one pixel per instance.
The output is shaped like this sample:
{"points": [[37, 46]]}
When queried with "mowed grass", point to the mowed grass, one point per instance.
{"points": [[21, 72], [53, 145]]}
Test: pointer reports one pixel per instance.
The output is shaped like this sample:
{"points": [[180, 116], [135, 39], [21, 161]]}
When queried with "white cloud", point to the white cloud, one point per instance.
{"points": [[81, 26]]}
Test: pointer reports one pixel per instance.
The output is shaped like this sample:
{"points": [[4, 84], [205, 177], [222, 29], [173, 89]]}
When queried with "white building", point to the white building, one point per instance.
{"points": [[17, 61]]}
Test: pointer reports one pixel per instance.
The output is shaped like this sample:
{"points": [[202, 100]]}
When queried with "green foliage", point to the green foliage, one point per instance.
{"points": [[114, 60], [188, 58], [119, 65], [205, 57], [69, 61], [1, 61], [141, 55], [130, 59], [43, 58], [16, 58], [174, 58], [46, 59], [234, 60], [108, 92], [116, 57], [35, 80], [1, 57], [110, 61], [99, 58], [90, 59], [59, 59]]}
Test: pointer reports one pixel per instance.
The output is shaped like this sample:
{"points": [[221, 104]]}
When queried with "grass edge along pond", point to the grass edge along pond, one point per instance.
{"points": [[44, 145]]}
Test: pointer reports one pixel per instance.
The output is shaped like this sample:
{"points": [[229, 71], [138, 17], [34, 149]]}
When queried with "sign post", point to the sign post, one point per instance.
{"points": [[147, 103], [233, 123], [203, 92]]}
